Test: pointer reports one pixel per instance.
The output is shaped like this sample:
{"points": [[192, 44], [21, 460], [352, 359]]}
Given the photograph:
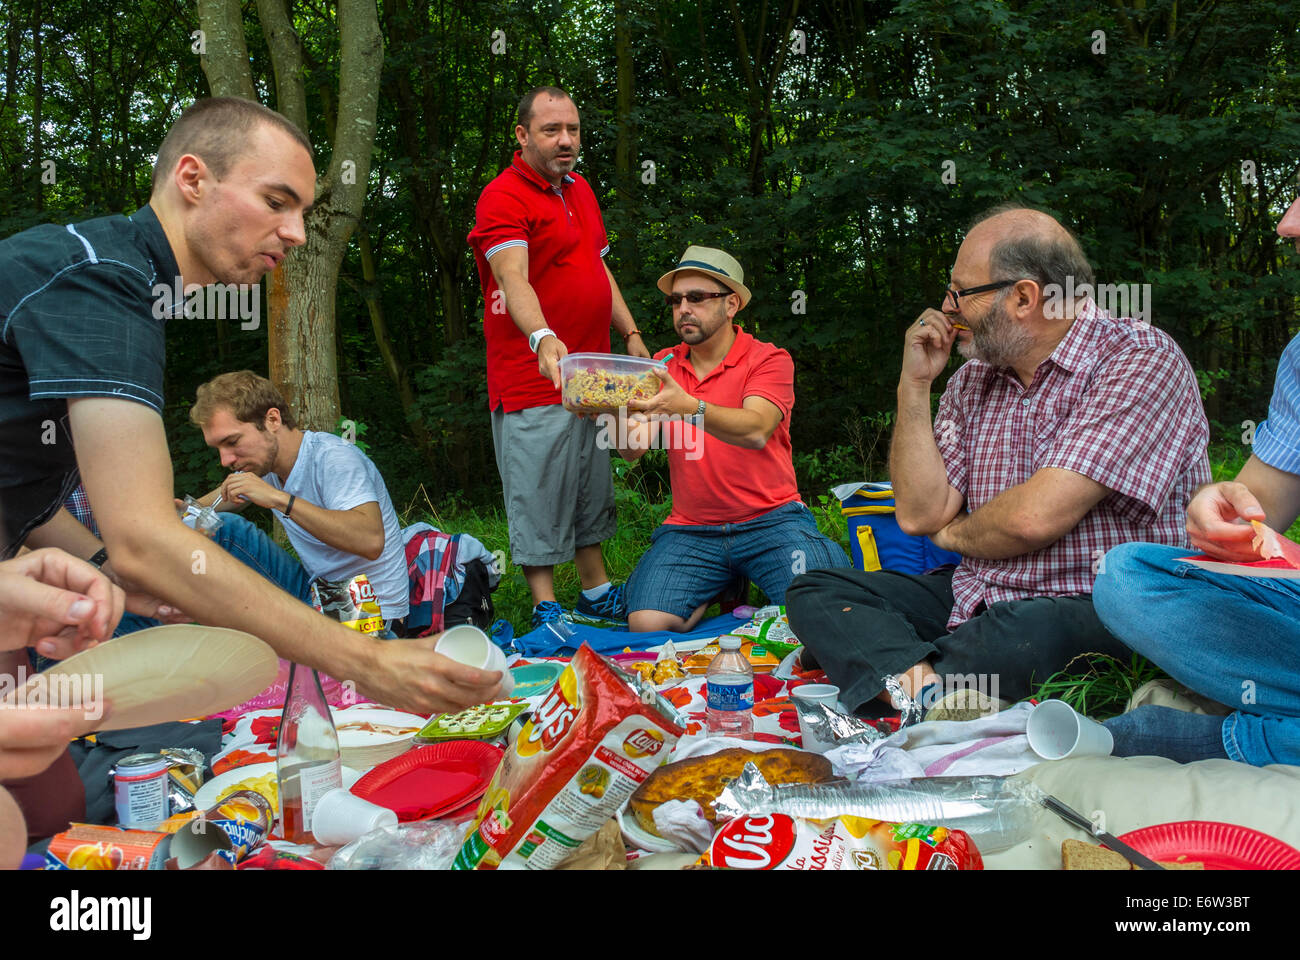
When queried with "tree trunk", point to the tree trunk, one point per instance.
{"points": [[301, 293], [225, 57]]}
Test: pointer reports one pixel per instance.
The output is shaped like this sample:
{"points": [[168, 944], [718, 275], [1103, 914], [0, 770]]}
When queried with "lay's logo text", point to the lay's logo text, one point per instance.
{"points": [[643, 743], [551, 720]]}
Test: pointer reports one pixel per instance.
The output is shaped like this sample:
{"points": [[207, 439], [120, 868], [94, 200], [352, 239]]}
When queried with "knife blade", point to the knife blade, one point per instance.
{"points": [[1111, 842]]}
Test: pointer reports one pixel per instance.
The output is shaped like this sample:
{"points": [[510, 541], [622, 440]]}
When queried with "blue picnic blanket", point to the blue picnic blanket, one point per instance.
{"points": [[609, 640]]}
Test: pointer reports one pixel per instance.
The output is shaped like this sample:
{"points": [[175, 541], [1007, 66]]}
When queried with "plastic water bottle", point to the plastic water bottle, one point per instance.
{"points": [[729, 692]]}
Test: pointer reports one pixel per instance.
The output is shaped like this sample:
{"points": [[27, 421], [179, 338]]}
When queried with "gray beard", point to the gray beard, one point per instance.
{"points": [[998, 342]]}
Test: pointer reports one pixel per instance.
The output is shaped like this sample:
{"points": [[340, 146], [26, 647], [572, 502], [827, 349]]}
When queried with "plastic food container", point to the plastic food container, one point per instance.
{"points": [[603, 382]]}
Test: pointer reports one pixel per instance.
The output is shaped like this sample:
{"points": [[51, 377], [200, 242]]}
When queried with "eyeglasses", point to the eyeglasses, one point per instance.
{"points": [[674, 300], [956, 295]]}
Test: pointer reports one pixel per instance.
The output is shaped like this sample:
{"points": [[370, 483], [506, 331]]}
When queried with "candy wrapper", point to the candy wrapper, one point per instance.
{"points": [[830, 728], [998, 812], [350, 602], [184, 777], [775, 841], [770, 628], [910, 710]]}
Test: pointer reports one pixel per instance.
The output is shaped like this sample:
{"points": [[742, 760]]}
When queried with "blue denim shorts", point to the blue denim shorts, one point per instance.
{"points": [[689, 565]]}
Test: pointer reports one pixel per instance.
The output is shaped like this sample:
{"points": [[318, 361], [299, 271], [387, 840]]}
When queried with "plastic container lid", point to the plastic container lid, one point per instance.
{"points": [[606, 381], [729, 643]]}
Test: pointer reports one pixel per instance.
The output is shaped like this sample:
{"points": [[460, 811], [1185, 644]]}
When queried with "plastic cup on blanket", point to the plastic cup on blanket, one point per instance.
{"points": [[823, 693], [1056, 731], [469, 645], [341, 817]]}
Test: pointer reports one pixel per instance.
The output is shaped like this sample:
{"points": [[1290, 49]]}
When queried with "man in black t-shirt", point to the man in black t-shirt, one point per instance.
{"points": [[82, 309]]}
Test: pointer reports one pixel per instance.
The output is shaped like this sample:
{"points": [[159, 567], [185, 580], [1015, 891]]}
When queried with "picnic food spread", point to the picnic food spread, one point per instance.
{"points": [[601, 383], [534, 782], [702, 778]]}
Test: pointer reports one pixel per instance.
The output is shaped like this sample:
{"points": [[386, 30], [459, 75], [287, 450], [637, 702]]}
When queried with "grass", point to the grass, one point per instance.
{"points": [[1102, 688], [640, 511]]}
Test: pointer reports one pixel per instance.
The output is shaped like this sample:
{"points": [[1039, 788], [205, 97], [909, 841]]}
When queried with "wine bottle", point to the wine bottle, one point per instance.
{"points": [[306, 753]]}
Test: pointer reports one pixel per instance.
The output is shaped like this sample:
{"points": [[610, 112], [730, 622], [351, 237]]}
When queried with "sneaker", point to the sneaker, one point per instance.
{"points": [[609, 606], [546, 612], [965, 704], [1169, 693]]}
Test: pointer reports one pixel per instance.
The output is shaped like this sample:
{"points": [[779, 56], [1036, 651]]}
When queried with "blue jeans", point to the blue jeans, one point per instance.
{"points": [[688, 565], [1233, 639]]}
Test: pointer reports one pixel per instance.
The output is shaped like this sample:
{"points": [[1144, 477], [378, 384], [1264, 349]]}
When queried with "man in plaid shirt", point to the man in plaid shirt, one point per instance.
{"points": [[1067, 433], [1229, 638]]}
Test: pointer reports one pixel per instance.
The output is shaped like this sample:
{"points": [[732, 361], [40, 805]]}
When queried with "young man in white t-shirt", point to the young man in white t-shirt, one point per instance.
{"points": [[327, 494]]}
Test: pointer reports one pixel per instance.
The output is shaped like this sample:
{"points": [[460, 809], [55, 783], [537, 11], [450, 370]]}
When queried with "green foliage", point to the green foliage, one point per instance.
{"points": [[1103, 687], [822, 171]]}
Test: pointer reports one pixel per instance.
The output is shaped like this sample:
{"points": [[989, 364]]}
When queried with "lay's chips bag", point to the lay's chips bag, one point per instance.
{"points": [[590, 743]]}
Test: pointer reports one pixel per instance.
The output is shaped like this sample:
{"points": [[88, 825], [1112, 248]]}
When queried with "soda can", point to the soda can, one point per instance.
{"points": [[245, 817], [140, 789]]}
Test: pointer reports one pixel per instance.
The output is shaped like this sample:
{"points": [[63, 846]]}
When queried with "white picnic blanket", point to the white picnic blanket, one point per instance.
{"points": [[990, 746]]}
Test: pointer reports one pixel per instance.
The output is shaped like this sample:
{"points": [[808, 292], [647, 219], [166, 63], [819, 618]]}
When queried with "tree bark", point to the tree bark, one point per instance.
{"points": [[225, 57], [301, 311], [286, 56]]}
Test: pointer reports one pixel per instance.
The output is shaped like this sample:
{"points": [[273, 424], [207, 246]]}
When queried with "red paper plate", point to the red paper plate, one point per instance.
{"points": [[1220, 846], [428, 782]]}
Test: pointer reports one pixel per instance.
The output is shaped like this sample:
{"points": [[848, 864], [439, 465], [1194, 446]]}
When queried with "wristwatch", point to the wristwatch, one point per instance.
{"points": [[535, 338], [699, 411], [99, 559]]}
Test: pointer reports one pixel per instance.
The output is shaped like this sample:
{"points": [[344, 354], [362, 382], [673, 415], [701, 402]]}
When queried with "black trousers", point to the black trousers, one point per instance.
{"points": [[862, 627]]}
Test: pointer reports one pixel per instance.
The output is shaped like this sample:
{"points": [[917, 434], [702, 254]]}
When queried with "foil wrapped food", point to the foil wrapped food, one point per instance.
{"points": [[997, 812]]}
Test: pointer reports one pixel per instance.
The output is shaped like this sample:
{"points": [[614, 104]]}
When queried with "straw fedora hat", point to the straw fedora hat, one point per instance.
{"points": [[723, 267]]}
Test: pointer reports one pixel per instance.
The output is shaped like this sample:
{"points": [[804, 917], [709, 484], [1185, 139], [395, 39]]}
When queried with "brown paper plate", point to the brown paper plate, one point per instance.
{"points": [[167, 673]]}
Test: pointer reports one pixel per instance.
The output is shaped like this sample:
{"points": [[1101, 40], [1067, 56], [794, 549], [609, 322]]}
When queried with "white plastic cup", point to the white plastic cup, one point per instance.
{"points": [[826, 693], [823, 693], [469, 645], [1056, 731], [341, 817]]}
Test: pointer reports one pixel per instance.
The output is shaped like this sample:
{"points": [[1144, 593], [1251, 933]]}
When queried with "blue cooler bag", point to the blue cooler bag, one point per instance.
{"points": [[876, 542]]}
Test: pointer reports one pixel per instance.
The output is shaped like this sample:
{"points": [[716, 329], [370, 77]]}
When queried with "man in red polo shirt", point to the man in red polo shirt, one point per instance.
{"points": [[723, 415], [539, 243]]}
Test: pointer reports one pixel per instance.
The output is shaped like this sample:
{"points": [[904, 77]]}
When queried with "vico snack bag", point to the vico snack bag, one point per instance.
{"points": [[589, 744], [776, 841]]}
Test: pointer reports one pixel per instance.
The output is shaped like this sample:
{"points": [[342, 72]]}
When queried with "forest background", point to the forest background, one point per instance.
{"points": [[837, 148]]}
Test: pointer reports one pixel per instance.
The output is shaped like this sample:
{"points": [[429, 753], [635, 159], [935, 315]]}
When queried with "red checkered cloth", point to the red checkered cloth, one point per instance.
{"points": [[1116, 402]]}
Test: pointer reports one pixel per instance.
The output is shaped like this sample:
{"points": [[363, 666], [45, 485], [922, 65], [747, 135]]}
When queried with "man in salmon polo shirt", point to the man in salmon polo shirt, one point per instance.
{"points": [[539, 244], [723, 415]]}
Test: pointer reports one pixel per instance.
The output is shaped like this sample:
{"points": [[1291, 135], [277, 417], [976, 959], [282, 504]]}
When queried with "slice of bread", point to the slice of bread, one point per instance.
{"points": [[1077, 855]]}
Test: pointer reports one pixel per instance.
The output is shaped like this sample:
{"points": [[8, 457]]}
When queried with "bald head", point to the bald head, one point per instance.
{"points": [[1017, 243]]}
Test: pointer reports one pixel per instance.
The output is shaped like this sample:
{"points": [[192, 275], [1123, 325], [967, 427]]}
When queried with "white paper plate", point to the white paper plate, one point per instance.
{"points": [[363, 749], [361, 738], [208, 793], [168, 673], [639, 838]]}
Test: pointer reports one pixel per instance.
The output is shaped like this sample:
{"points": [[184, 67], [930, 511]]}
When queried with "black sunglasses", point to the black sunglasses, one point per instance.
{"points": [[956, 295], [695, 296]]}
